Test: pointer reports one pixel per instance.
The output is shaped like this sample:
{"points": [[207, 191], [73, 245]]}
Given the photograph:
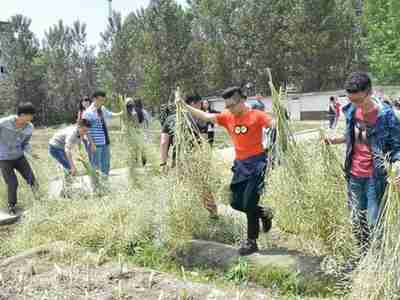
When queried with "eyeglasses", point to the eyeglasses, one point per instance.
{"points": [[352, 91]]}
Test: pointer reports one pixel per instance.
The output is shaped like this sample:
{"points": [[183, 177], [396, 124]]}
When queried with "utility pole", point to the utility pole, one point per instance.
{"points": [[110, 11], [360, 55]]}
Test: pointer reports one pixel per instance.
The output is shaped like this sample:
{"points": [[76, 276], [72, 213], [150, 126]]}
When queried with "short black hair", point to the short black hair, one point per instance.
{"points": [[99, 94], [331, 98], [358, 82], [26, 108], [229, 92], [192, 99], [84, 123]]}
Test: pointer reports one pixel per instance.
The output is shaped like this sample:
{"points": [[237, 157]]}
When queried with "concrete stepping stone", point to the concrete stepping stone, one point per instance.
{"points": [[117, 180], [7, 219], [307, 269]]}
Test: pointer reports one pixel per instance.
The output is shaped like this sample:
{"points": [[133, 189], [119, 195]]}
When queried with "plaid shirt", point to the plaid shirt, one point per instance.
{"points": [[383, 138]]}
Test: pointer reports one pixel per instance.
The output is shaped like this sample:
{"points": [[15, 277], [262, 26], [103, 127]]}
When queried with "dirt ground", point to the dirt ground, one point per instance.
{"points": [[38, 277]]}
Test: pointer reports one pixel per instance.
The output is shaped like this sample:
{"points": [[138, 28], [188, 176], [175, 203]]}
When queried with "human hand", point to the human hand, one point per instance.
{"points": [[397, 176], [35, 156], [327, 140], [93, 148], [178, 96], [73, 171]]}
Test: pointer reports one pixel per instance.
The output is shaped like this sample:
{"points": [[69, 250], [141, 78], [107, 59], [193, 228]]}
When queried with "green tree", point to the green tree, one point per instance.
{"points": [[20, 48], [383, 36]]}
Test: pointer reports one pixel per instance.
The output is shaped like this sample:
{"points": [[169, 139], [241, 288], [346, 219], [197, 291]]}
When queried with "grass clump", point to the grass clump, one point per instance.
{"points": [[195, 184], [290, 283], [308, 190], [103, 224], [377, 276], [133, 139], [314, 206]]}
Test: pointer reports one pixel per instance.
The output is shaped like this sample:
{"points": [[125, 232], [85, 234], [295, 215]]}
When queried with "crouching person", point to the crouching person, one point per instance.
{"points": [[15, 135], [61, 144], [245, 127]]}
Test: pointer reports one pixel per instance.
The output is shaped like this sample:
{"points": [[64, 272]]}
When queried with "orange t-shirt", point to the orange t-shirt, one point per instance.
{"points": [[246, 131]]}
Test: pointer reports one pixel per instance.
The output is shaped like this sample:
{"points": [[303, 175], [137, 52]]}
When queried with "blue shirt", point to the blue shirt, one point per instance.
{"points": [[96, 130], [14, 141], [383, 138]]}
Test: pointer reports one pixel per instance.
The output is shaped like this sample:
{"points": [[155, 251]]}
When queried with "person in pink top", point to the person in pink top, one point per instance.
{"points": [[372, 139]]}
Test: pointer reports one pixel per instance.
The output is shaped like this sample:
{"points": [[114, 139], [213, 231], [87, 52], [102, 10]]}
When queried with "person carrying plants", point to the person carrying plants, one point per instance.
{"points": [[372, 136], [61, 144], [97, 115], [167, 141], [15, 135], [140, 119], [245, 127]]}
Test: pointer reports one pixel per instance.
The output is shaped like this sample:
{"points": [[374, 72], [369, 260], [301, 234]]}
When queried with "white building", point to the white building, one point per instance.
{"points": [[301, 106]]}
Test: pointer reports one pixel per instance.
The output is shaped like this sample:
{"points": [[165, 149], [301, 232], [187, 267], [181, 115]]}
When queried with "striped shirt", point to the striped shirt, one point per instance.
{"points": [[96, 130]]}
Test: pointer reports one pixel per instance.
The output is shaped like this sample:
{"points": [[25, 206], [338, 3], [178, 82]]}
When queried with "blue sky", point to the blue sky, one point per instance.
{"points": [[45, 13]]}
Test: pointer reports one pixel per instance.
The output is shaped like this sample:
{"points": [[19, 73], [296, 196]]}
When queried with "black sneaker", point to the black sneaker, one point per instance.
{"points": [[266, 218], [12, 210], [248, 247], [144, 161]]}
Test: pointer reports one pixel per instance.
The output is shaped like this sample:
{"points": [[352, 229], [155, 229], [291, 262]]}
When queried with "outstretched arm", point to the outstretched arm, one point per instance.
{"points": [[335, 140], [202, 115], [197, 113]]}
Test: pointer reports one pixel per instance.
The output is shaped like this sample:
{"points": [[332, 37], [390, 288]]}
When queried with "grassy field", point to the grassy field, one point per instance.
{"points": [[138, 224]]}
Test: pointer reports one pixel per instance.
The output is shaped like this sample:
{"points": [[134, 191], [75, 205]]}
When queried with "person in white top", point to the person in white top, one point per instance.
{"points": [[61, 144]]}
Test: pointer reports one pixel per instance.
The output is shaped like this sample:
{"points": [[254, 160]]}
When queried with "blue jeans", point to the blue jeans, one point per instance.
{"points": [[59, 155], [100, 159], [364, 204]]}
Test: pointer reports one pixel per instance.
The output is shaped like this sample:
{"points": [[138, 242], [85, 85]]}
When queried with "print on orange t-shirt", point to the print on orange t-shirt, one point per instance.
{"points": [[245, 131], [362, 161]]}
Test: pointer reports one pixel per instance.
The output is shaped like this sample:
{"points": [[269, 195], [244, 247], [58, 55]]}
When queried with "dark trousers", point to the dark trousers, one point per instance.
{"points": [[332, 121], [210, 137], [8, 168], [245, 197]]}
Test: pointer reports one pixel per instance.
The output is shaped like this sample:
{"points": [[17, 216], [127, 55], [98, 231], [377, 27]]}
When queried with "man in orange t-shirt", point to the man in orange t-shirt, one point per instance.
{"points": [[245, 127]]}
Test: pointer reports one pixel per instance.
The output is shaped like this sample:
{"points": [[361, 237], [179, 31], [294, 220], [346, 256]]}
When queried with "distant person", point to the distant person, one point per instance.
{"points": [[168, 130], [63, 141], [166, 110], [140, 119], [15, 135], [332, 112], [84, 103], [205, 106], [137, 112], [97, 115]]}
